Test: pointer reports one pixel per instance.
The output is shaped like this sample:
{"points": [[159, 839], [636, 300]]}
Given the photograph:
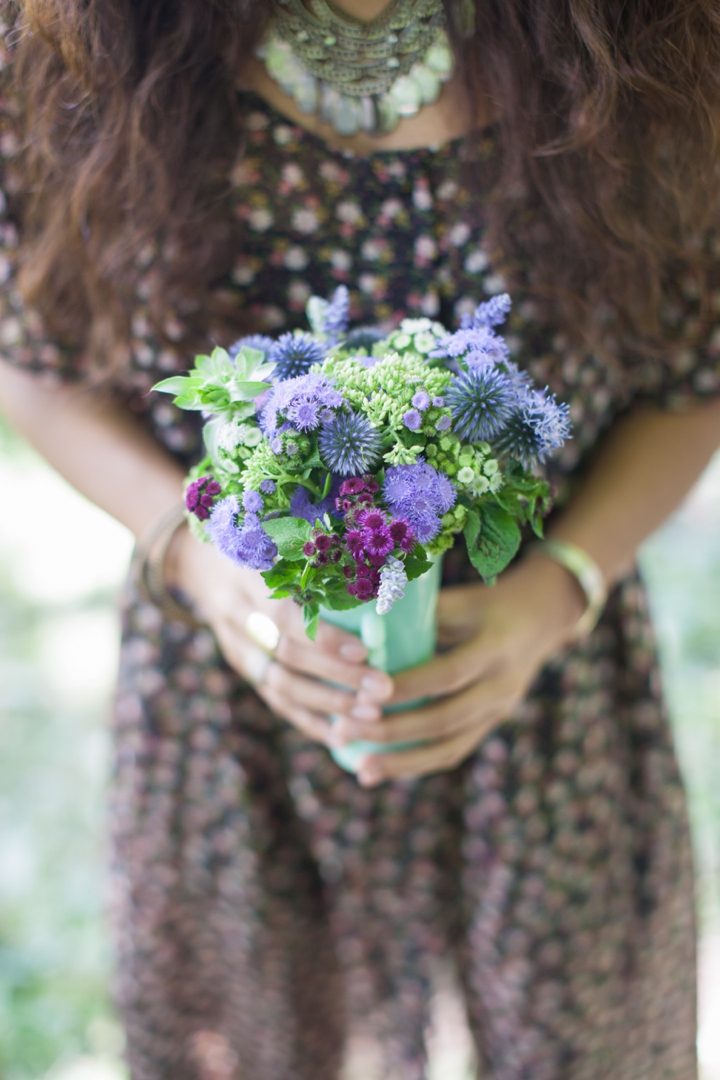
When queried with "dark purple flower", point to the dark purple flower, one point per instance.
{"points": [[352, 486], [399, 529], [363, 570], [199, 497], [309, 549], [354, 542], [373, 520], [349, 572], [377, 560], [364, 589], [323, 542], [371, 484], [412, 419], [378, 541]]}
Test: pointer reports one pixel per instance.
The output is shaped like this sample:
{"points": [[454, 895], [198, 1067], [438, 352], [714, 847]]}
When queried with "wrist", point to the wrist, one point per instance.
{"points": [[557, 596]]}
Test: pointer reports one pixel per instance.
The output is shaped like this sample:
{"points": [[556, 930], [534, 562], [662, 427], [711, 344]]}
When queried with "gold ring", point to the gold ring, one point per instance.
{"points": [[261, 629]]}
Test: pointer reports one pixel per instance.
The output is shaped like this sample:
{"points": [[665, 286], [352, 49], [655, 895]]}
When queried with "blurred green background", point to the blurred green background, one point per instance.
{"points": [[61, 564]]}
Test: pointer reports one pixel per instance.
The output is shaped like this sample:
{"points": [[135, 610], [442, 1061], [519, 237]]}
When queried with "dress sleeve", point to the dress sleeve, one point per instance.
{"points": [[24, 340], [690, 370]]}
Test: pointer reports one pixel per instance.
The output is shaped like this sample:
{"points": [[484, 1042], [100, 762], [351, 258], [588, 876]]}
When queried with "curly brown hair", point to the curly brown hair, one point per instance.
{"points": [[608, 113]]}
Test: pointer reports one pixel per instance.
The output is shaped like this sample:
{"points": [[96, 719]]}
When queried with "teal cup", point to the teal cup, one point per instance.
{"points": [[404, 638]]}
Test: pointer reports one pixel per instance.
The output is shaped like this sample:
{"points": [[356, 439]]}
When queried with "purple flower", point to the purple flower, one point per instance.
{"points": [[267, 487], [303, 414], [253, 502], [352, 486], [540, 426], [438, 402], [443, 423], [421, 400], [302, 507], [412, 419], [480, 342], [260, 342], [350, 445], [355, 542], [200, 496], [294, 355], [491, 313], [364, 589], [336, 314], [482, 401], [310, 389], [248, 545], [420, 495], [378, 541]]}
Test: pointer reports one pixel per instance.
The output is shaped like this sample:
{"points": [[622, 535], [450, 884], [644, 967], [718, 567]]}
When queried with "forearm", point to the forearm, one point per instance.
{"points": [[642, 472], [96, 445]]}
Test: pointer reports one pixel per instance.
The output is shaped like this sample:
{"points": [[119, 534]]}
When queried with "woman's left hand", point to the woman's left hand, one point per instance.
{"points": [[502, 635]]}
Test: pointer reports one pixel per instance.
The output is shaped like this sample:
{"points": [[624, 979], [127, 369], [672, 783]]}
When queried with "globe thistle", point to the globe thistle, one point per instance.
{"points": [[295, 354], [540, 426], [261, 342], [350, 445], [482, 401], [393, 580]]}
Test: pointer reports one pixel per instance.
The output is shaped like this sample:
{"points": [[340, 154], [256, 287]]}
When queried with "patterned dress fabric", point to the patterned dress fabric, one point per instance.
{"points": [[269, 912]]}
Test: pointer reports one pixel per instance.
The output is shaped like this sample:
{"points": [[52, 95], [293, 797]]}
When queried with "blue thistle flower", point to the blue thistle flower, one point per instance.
{"points": [[482, 401], [538, 427], [294, 354], [350, 445], [260, 342]]}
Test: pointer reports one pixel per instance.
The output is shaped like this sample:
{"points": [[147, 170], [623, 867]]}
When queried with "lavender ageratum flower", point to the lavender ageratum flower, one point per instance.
{"points": [[267, 487], [252, 501], [337, 314], [412, 420], [292, 393], [421, 495], [476, 344], [482, 401], [294, 354], [538, 427], [421, 400], [260, 342], [443, 423], [304, 413], [492, 313], [393, 580], [301, 505], [248, 545], [350, 445]]}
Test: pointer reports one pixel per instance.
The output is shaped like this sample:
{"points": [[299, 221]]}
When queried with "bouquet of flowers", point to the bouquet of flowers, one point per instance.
{"points": [[340, 463]]}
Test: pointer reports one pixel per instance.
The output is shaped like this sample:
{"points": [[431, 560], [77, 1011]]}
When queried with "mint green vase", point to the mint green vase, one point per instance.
{"points": [[404, 638]]}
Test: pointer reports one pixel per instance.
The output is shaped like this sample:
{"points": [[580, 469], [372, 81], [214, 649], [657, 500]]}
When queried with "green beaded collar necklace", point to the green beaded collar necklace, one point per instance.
{"points": [[359, 76]]}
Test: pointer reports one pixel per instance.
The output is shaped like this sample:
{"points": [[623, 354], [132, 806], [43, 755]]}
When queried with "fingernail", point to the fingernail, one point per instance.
{"points": [[369, 775], [353, 650], [377, 685], [365, 712]]}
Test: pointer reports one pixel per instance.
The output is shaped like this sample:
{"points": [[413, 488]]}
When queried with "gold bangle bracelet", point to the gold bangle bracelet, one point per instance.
{"points": [[149, 562], [589, 576]]}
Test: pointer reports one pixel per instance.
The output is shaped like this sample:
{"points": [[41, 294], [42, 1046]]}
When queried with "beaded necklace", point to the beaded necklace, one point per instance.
{"points": [[359, 76]]}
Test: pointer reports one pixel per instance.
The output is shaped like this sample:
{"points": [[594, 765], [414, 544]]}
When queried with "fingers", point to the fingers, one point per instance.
{"points": [[294, 689], [304, 656], [406, 764], [445, 674], [317, 728], [438, 720]]}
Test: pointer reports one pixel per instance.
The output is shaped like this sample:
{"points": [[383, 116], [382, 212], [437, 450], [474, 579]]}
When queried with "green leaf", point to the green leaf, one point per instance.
{"points": [[289, 534], [311, 618], [416, 566], [315, 461], [246, 391], [340, 600], [491, 541], [327, 485], [177, 384], [281, 574]]}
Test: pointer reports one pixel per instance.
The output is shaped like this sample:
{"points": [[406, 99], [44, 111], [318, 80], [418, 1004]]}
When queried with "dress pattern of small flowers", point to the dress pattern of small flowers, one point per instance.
{"points": [[268, 909]]}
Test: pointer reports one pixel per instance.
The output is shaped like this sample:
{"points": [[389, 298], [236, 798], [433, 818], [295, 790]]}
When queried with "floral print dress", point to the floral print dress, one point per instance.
{"points": [[270, 914]]}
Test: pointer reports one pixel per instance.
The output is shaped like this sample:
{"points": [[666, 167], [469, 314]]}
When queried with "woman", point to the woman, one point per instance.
{"points": [[163, 190]]}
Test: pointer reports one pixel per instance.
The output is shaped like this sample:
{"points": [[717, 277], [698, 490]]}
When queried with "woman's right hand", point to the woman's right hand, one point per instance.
{"points": [[294, 681]]}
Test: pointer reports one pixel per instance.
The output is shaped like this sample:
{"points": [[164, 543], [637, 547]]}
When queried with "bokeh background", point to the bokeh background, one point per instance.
{"points": [[61, 565]]}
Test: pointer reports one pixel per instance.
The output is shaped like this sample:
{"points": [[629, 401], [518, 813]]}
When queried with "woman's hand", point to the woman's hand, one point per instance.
{"points": [[502, 636], [293, 681]]}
